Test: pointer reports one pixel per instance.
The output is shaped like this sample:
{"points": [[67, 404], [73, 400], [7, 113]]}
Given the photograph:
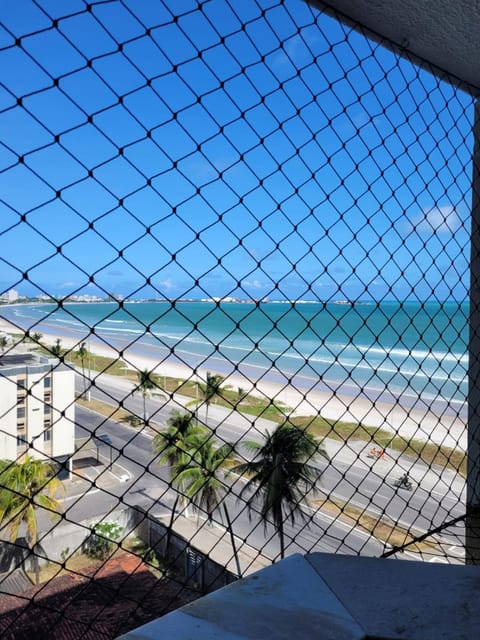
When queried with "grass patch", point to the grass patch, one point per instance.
{"points": [[74, 564], [107, 410], [392, 534], [261, 409], [428, 452], [81, 564], [155, 563]]}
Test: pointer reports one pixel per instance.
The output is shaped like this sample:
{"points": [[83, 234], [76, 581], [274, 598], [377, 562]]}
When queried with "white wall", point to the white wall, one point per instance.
{"points": [[63, 393], [8, 419], [63, 413]]}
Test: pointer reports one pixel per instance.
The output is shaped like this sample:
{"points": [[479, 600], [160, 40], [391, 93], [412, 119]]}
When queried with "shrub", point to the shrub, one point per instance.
{"points": [[103, 540]]}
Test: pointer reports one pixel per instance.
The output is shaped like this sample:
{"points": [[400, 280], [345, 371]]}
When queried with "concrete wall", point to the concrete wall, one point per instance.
{"points": [[190, 566], [195, 568], [63, 536]]}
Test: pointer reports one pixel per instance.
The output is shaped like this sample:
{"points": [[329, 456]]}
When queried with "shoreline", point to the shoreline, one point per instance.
{"points": [[447, 429]]}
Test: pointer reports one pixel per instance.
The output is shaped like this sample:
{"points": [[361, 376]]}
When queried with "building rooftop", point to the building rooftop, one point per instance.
{"points": [[27, 362], [97, 602], [22, 360]]}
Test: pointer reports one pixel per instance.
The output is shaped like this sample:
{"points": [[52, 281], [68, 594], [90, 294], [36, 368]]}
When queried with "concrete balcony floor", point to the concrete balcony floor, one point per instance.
{"points": [[333, 597]]}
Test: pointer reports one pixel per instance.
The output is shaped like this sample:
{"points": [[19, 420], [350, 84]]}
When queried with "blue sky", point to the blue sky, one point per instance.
{"points": [[254, 148]]}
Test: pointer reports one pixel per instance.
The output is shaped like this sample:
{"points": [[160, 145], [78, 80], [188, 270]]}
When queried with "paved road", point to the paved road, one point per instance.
{"points": [[149, 488], [350, 476]]}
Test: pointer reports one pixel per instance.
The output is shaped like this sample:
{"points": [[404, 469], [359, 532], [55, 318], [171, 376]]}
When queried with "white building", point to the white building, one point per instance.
{"points": [[37, 409]]}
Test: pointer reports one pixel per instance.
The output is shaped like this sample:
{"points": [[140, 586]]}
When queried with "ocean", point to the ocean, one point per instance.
{"points": [[408, 351]]}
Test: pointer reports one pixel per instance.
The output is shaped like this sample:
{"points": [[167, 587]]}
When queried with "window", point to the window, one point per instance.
{"points": [[47, 382], [47, 435], [20, 413], [21, 390]]}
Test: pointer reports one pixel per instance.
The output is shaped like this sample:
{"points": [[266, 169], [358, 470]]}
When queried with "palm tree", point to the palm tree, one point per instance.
{"points": [[145, 385], [281, 474], [82, 353], [36, 337], [173, 445], [240, 396], [56, 349], [201, 476], [24, 486], [3, 343], [210, 390]]}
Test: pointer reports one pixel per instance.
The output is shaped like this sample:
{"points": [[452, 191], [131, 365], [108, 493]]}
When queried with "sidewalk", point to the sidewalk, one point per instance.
{"points": [[215, 543]]}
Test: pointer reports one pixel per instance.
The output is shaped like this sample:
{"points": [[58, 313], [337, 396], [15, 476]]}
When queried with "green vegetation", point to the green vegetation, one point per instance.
{"points": [[211, 390], [149, 556], [56, 349], [146, 385], [198, 465], [223, 396], [26, 487], [428, 452], [109, 411], [172, 446], [201, 474], [382, 529], [3, 343], [103, 540], [36, 337], [196, 460], [80, 563], [281, 475], [82, 355]]}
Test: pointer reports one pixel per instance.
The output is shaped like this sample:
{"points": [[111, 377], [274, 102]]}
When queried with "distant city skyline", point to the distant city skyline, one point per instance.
{"points": [[290, 159]]}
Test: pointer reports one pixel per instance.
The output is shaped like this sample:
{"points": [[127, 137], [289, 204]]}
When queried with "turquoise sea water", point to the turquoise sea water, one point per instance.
{"points": [[411, 350]]}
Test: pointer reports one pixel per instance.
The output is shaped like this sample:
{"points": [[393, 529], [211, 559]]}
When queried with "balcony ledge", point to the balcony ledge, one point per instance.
{"points": [[337, 597]]}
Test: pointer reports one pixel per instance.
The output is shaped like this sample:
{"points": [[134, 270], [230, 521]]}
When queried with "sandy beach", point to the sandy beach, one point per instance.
{"points": [[445, 429]]}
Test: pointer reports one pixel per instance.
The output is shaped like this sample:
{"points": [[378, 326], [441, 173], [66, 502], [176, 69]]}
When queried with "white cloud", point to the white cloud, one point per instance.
{"points": [[293, 46], [254, 284], [438, 220], [167, 284]]}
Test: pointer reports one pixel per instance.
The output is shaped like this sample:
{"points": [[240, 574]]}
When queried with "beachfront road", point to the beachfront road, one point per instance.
{"points": [[347, 478], [149, 488]]}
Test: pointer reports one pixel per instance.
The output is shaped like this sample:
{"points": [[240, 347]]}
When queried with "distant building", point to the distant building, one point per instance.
{"points": [[10, 296], [37, 410], [84, 298]]}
